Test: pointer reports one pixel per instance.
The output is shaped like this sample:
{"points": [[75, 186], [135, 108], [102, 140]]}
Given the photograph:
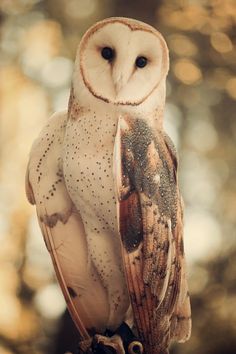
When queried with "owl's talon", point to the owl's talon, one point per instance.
{"points": [[85, 347], [107, 345], [135, 347]]}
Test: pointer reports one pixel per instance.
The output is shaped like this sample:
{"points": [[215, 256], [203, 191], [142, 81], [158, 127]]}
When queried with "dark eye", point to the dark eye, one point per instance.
{"points": [[141, 62], [107, 53]]}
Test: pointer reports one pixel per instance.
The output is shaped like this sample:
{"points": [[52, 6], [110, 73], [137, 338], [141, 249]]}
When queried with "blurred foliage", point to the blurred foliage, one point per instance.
{"points": [[38, 44]]}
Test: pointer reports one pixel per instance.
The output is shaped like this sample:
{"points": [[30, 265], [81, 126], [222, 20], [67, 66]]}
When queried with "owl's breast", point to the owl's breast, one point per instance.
{"points": [[88, 170]]}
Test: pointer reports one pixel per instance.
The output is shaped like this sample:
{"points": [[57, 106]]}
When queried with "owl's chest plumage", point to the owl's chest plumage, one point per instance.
{"points": [[88, 171], [88, 168]]}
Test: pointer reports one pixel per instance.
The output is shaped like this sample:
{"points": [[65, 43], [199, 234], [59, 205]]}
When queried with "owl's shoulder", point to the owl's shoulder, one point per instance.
{"points": [[45, 154], [56, 123]]}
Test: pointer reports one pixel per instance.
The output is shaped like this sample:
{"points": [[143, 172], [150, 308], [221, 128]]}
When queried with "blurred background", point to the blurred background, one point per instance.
{"points": [[38, 44]]}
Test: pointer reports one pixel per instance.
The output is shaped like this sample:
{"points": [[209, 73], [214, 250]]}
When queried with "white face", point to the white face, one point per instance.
{"points": [[122, 65]]}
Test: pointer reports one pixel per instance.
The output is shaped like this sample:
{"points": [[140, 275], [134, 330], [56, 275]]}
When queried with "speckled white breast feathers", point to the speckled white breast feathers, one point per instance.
{"points": [[88, 172]]}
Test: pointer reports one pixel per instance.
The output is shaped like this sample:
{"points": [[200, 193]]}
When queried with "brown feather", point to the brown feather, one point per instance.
{"points": [[150, 221]]}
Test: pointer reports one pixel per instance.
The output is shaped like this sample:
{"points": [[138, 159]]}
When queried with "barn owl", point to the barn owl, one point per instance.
{"points": [[103, 177]]}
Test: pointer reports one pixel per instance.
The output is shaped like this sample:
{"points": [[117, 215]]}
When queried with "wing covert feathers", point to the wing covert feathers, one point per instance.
{"points": [[150, 222]]}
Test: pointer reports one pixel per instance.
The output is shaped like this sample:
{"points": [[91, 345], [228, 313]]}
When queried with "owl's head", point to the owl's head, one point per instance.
{"points": [[121, 61]]}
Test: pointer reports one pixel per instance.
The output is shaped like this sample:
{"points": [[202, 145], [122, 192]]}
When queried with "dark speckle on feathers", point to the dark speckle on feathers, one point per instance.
{"points": [[181, 246], [131, 226], [72, 292]]}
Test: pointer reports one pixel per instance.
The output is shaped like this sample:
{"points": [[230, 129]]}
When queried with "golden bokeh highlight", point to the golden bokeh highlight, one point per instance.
{"points": [[182, 45], [231, 87], [221, 42], [187, 72]]}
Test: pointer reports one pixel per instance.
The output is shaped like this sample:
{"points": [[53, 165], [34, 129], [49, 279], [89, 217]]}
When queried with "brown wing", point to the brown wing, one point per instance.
{"points": [[150, 223], [181, 319]]}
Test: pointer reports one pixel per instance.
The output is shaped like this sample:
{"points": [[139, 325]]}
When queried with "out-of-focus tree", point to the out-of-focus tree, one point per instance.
{"points": [[38, 44]]}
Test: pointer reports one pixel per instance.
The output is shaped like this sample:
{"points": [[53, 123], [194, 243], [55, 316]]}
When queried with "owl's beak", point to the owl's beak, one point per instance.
{"points": [[120, 77], [119, 84]]}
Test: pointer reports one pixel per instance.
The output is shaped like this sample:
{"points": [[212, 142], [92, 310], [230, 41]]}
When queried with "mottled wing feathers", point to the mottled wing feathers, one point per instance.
{"points": [[150, 221], [181, 317]]}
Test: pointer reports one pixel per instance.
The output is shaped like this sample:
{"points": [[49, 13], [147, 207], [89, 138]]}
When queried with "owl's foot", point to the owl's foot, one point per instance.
{"points": [[102, 345], [109, 345], [131, 343], [85, 347], [122, 341]]}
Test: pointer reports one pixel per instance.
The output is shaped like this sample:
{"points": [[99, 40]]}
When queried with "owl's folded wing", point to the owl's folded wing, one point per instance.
{"points": [[62, 227], [150, 223]]}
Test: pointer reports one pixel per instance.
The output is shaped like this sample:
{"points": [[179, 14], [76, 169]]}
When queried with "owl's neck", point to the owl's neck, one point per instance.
{"points": [[152, 112]]}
